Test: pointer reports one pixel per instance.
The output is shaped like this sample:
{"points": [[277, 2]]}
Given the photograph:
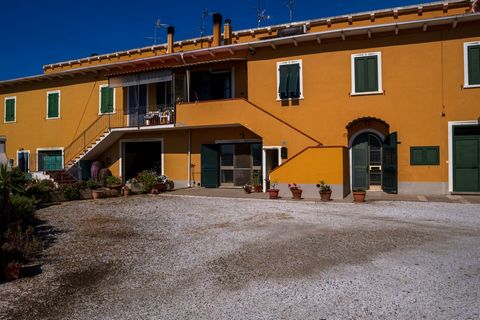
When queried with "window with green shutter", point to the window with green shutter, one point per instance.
{"points": [[366, 74], [473, 58], [289, 80], [425, 156], [106, 100], [53, 107], [10, 109]]}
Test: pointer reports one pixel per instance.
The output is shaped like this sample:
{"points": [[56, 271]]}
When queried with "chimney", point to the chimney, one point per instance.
{"points": [[170, 33], [227, 32], [217, 24]]}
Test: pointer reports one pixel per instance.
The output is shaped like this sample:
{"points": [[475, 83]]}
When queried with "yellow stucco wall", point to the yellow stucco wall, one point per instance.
{"points": [[312, 166]]}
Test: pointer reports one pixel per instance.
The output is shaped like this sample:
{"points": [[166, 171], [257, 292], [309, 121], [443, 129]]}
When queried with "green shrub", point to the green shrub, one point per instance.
{"points": [[113, 180], [71, 191], [20, 245], [23, 208], [149, 178]]}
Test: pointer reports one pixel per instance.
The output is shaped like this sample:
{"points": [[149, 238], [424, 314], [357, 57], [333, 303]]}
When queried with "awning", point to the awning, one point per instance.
{"points": [[140, 78]]}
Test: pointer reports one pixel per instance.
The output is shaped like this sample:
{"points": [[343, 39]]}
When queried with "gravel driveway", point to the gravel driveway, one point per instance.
{"points": [[175, 257]]}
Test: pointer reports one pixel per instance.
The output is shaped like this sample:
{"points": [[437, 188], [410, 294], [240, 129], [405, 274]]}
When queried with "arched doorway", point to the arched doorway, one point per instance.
{"points": [[367, 161], [373, 155]]}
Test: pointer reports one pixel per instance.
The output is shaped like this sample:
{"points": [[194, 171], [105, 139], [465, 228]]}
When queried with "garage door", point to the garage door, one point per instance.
{"points": [[466, 159]]}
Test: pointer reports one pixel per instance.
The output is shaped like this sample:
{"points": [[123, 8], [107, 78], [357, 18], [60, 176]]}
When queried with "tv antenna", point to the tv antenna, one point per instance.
{"points": [[205, 14], [261, 16], [290, 4], [158, 25]]}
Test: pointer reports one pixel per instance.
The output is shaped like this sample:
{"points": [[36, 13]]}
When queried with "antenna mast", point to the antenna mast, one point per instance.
{"points": [[205, 14], [158, 25], [290, 9], [261, 16]]}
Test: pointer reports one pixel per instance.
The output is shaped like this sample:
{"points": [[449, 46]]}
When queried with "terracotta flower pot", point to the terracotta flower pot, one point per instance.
{"points": [[127, 192], [159, 187], [325, 196], [258, 188], [359, 197], [247, 190], [297, 193], [12, 271], [96, 194], [273, 193]]}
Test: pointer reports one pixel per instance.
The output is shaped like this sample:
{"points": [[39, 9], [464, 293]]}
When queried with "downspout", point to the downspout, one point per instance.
{"points": [[189, 158]]}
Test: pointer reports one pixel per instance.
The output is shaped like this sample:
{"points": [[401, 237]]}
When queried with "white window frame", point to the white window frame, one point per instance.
{"points": [[378, 54], [300, 73], [18, 154], [50, 149], [100, 100], [466, 45], [5, 109], [59, 103]]}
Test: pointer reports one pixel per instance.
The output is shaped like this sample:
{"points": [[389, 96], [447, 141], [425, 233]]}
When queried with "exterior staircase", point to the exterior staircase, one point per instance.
{"points": [[61, 177]]}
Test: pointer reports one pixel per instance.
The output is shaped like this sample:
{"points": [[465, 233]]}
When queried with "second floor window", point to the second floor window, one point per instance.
{"points": [[367, 73], [472, 64], [10, 109], [53, 105], [289, 79], [107, 100]]}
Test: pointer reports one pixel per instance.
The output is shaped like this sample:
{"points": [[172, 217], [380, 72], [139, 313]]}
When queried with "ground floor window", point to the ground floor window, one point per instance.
{"points": [[50, 160], [231, 164], [141, 155]]}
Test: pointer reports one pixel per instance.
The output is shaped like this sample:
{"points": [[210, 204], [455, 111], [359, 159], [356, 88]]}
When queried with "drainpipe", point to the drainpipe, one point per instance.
{"points": [[189, 158]]}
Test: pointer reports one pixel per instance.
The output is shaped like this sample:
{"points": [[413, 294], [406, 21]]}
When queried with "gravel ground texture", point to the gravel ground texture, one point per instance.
{"points": [[182, 257]]}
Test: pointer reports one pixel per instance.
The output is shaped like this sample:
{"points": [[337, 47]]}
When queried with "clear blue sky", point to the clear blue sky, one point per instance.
{"points": [[38, 32]]}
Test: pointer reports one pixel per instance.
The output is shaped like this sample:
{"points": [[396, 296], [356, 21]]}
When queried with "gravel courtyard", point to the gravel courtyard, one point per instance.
{"points": [[176, 257]]}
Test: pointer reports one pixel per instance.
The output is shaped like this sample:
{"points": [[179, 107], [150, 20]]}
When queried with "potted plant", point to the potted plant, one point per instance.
{"points": [[97, 194], [126, 191], [134, 185], [114, 182], [247, 188], [325, 191], [273, 191], [256, 183], [359, 195], [296, 191]]}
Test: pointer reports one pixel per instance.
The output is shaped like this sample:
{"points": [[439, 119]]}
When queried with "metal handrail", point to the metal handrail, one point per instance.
{"points": [[106, 122]]}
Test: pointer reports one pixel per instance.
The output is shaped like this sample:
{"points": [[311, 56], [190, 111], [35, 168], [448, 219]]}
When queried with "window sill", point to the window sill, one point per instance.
{"points": [[7, 122], [54, 118], [106, 114], [370, 93], [290, 99], [471, 86]]}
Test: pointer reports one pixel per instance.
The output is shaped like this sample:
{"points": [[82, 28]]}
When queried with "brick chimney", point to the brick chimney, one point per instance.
{"points": [[170, 33], [227, 32], [217, 25]]}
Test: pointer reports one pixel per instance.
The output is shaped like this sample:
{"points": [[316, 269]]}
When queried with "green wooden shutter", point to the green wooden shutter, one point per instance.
{"points": [[110, 100], [372, 73], [390, 164], [106, 100], [9, 110], [474, 65], [210, 166], [294, 81], [360, 163], [283, 84], [53, 106], [366, 74], [425, 156]]}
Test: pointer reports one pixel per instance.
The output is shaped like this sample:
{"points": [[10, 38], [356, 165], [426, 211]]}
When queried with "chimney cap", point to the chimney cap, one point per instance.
{"points": [[217, 17], [228, 21], [171, 30]]}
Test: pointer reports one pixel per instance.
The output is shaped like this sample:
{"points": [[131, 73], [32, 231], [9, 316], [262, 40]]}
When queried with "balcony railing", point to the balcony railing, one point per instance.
{"points": [[163, 114]]}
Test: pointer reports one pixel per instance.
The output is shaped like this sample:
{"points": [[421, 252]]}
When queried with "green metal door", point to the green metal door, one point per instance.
{"points": [[210, 165], [360, 162], [466, 163], [389, 164]]}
